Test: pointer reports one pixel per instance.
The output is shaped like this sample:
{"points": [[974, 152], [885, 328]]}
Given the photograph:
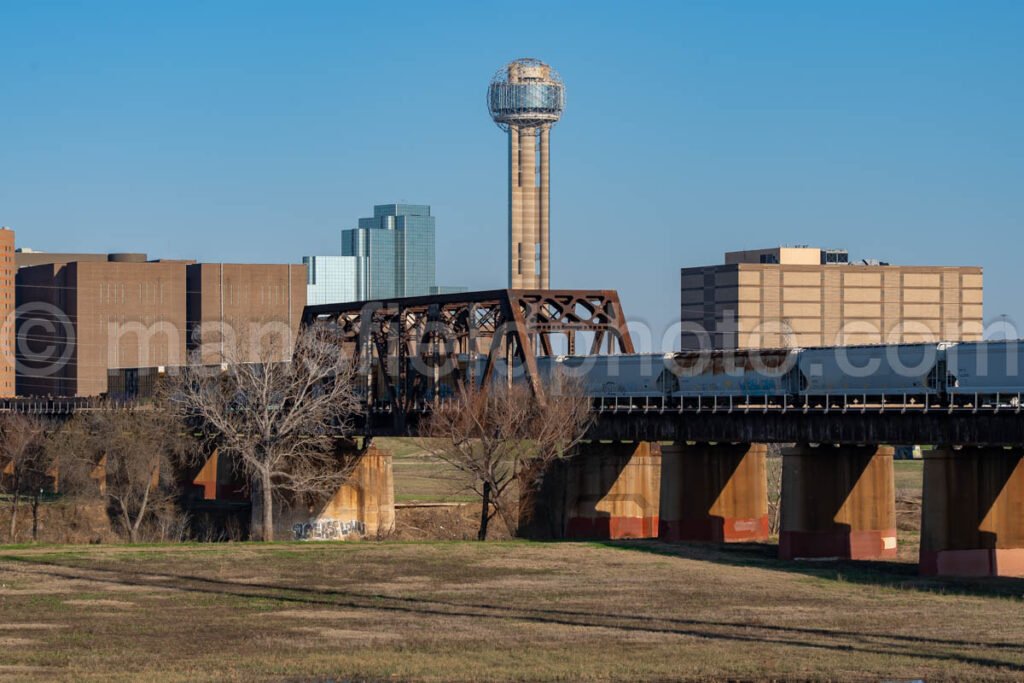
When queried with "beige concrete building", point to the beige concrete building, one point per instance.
{"points": [[83, 318], [247, 312], [805, 296]]}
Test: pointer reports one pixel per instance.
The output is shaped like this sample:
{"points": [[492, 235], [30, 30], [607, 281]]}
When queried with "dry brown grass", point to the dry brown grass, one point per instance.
{"points": [[494, 611]]}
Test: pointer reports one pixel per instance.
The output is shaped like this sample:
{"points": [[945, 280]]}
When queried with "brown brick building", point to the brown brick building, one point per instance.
{"points": [[810, 297], [86, 317], [244, 311], [29, 257]]}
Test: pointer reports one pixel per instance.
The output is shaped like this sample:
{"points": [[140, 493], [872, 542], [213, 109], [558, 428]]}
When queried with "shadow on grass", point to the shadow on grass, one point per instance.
{"points": [[816, 639], [901, 575]]}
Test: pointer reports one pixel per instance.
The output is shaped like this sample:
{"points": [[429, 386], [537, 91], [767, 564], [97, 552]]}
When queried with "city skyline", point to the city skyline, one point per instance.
{"points": [[756, 128]]}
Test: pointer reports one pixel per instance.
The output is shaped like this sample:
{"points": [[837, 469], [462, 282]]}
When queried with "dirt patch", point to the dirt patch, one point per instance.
{"points": [[100, 602], [30, 627], [347, 634], [133, 588], [17, 669], [510, 583], [450, 522], [63, 522], [527, 561], [17, 642], [319, 614], [32, 591]]}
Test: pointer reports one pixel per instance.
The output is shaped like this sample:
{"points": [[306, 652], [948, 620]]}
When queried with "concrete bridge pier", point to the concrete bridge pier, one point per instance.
{"points": [[972, 517], [838, 501], [713, 492], [362, 507], [605, 491]]}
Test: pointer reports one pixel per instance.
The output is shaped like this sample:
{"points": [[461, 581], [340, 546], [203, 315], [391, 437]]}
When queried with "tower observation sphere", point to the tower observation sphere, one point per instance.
{"points": [[526, 98]]}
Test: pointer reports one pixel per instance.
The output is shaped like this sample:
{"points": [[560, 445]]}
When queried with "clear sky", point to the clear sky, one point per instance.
{"points": [[255, 131]]}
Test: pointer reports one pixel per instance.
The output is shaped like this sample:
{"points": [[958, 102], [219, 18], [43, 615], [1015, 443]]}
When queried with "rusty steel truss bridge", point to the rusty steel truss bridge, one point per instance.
{"points": [[408, 348], [416, 351]]}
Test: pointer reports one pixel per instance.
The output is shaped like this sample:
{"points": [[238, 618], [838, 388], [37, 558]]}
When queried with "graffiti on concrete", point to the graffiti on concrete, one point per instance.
{"points": [[328, 530]]}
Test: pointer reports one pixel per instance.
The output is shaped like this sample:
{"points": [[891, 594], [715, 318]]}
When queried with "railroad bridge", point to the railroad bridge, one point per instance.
{"points": [[695, 469]]}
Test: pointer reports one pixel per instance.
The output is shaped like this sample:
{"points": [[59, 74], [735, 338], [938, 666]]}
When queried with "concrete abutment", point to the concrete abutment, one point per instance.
{"points": [[362, 507]]}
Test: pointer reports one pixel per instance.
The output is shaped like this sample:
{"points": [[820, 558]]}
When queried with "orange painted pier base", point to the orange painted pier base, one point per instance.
{"points": [[218, 480], [714, 492], [972, 517], [605, 491], [838, 501], [612, 527]]}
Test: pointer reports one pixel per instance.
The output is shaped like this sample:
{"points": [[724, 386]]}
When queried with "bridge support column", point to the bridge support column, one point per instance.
{"points": [[713, 492], [362, 507], [972, 517], [605, 491], [838, 501]]}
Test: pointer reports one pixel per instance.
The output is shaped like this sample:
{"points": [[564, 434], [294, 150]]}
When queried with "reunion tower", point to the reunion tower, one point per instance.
{"points": [[526, 97]]}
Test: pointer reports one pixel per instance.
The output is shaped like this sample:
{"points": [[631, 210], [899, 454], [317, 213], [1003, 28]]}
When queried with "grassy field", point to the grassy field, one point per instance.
{"points": [[494, 611], [420, 477], [909, 476]]}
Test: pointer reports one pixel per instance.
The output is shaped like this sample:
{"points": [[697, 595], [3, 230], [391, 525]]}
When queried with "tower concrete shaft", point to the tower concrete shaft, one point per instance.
{"points": [[528, 222], [526, 98]]}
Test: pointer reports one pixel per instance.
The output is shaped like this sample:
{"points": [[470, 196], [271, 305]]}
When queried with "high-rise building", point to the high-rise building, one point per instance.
{"points": [[444, 289], [332, 279], [389, 255], [803, 296], [397, 248], [7, 297], [526, 98]]}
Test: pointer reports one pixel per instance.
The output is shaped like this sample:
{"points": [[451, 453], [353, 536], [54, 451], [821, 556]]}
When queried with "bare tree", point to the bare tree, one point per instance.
{"points": [[774, 469], [130, 455], [26, 464], [506, 436], [280, 422]]}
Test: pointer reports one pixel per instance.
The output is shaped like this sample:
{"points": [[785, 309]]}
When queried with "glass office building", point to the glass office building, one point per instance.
{"points": [[332, 279], [442, 289], [397, 248], [389, 255]]}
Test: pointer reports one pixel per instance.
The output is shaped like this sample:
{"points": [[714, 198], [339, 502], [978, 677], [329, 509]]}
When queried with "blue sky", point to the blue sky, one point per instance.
{"points": [[255, 131]]}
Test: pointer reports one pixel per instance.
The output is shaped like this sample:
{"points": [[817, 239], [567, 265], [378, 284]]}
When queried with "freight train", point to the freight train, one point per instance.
{"points": [[953, 376]]}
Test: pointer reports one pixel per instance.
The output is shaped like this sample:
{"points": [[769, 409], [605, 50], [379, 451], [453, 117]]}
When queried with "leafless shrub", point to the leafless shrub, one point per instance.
{"points": [[26, 466], [773, 464], [127, 457], [505, 436], [171, 524]]}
